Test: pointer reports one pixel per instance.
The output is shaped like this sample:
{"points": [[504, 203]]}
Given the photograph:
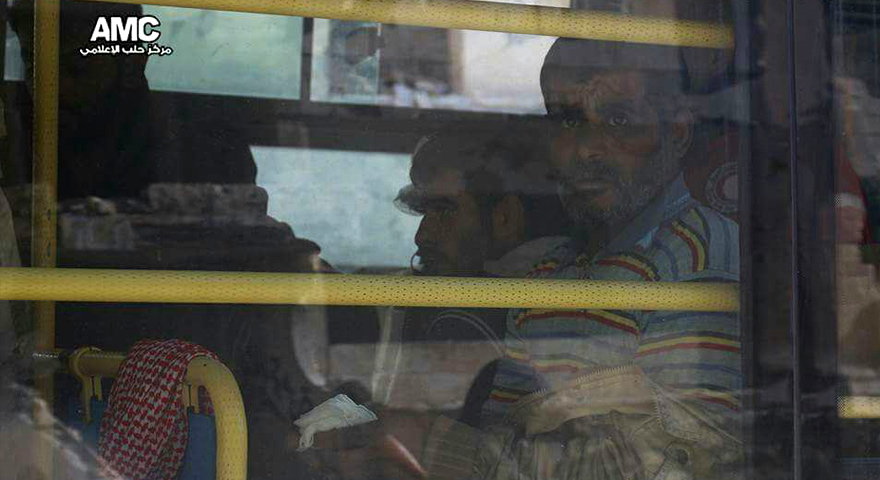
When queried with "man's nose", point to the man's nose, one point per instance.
{"points": [[590, 146]]}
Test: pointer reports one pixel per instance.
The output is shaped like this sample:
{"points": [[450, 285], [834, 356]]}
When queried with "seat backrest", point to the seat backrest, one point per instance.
{"points": [[200, 459], [712, 179]]}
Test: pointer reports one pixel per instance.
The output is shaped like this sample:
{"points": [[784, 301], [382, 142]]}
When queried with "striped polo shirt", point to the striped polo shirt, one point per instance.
{"points": [[693, 355]]}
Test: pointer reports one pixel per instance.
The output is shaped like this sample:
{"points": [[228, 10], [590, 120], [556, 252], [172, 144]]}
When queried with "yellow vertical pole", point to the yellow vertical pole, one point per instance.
{"points": [[45, 166], [44, 198], [45, 173]]}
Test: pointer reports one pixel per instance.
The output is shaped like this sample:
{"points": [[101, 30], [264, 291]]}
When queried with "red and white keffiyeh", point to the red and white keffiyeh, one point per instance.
{"points": [[145, 427]]}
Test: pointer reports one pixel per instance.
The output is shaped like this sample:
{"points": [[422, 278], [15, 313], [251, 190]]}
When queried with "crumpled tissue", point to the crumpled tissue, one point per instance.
{"points": [[338, 412]]}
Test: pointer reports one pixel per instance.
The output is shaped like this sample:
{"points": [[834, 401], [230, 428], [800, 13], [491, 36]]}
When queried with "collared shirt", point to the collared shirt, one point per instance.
{"points": [[694, 355], [520, 261]]}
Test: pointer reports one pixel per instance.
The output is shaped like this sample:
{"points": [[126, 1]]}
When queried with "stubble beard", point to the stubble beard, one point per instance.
{"points": [[634, 194]]}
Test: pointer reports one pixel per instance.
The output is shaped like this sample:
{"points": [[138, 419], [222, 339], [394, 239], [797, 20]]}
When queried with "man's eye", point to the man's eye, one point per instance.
{"points": [[571, 122], [618, 120]]}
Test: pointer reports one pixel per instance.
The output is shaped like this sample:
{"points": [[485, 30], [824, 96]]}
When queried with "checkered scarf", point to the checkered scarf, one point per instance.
{"points": [[144, 430]]}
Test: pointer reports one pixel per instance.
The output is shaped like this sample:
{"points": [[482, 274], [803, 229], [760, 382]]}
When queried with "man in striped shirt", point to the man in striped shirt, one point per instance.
{"points": [[621, 132]]}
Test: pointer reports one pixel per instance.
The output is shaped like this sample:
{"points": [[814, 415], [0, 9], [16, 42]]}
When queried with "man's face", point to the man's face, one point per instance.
{"points": [[451, 239], [609, 152]]}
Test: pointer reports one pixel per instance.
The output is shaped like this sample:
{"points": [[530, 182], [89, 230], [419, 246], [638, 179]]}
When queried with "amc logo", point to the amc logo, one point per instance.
{"points": [[126, 29]]}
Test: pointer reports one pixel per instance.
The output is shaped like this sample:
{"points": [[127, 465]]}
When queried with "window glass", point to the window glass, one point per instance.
{"points": [[856, 85], [216, 53], [217, 56], [13, 68], [345, 61], [405, 241], [428, 67], [351, 214]]}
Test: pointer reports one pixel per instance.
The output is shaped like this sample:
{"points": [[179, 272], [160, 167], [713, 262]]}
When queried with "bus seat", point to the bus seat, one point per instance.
{"points": [[215, 445], [200, 459]]}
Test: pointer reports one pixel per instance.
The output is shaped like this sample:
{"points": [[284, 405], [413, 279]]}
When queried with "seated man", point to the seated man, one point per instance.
{"points": [[619, 394], [200, 210], [488, 209]]}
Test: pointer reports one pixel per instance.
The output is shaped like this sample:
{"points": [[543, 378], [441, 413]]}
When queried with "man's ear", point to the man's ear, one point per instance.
{"points": [[682, 131], [508, 222]]}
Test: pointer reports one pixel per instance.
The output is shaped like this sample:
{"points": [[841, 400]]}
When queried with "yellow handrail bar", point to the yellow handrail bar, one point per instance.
{"points": [[229, 413], [154, 286], [488, 16], [851, 407]]}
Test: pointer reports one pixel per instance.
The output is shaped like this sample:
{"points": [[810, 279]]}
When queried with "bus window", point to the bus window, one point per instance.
{"points": [[441, 239], [359, 198], [226, 64], [428, 68]]}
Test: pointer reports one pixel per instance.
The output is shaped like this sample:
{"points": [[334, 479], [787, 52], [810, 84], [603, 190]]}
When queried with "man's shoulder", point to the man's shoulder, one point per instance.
{"points": [[699, 243], [559, 261], [696, 244]]}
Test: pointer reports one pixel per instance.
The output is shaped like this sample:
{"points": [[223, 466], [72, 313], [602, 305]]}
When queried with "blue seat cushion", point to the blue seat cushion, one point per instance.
{"points": [[200, 459]]}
